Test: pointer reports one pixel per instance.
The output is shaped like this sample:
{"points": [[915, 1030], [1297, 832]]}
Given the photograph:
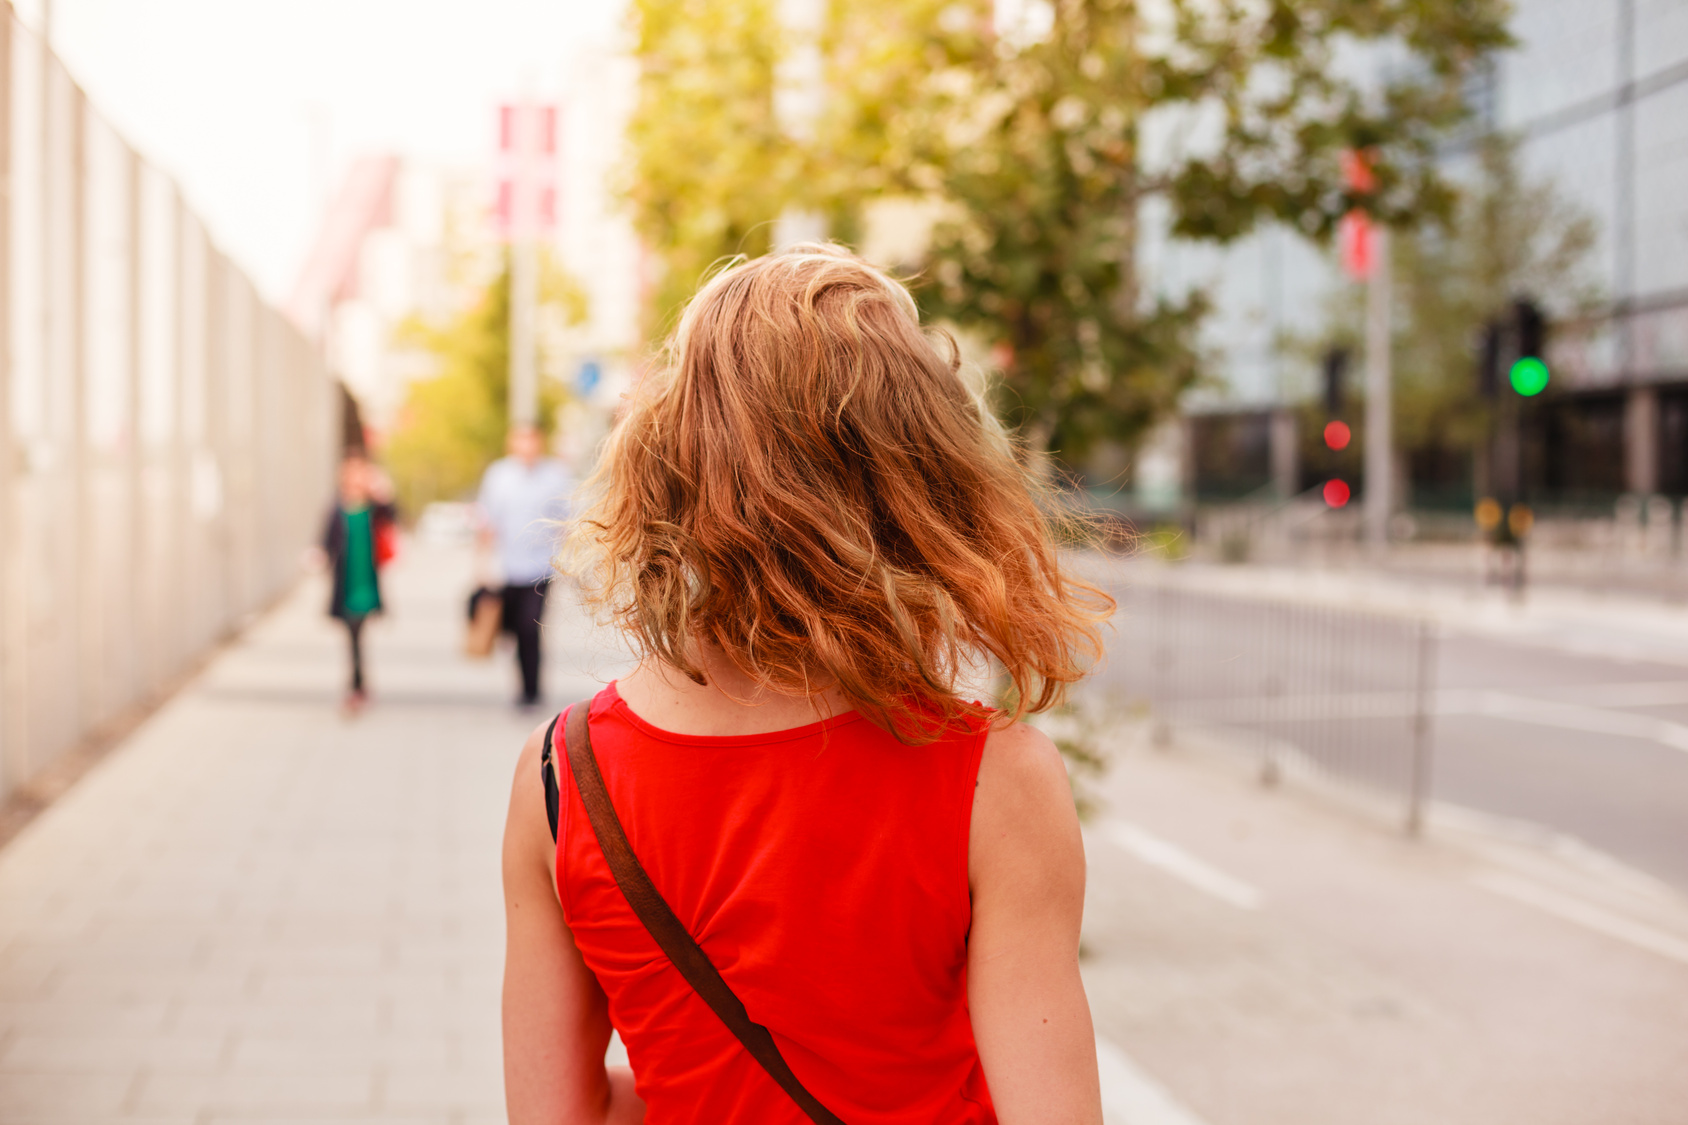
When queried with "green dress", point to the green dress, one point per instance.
{"points": [[361, 596]]}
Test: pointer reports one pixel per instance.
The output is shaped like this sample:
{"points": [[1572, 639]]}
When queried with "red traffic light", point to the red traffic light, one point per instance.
{"points": [[1336, 493], [1337, 435]]}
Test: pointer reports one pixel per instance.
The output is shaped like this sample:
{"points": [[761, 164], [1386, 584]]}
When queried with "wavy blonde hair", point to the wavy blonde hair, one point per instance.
{"points": [[808, 485]]}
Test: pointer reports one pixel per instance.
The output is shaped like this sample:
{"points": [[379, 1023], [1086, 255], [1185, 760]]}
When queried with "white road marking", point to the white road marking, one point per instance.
{"points": [[1631, 693], [1131, 1097], [1584, 914], [1565, 716], [1512, 707], [1180, 864]]}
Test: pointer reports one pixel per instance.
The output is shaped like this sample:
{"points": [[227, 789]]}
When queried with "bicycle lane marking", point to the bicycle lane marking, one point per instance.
{"points": [[1165, 856], [1131, 1097]]}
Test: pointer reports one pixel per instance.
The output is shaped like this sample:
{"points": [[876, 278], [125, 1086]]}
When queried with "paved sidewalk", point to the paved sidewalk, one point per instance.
{"points": [[256, 910], [1282, 957]]}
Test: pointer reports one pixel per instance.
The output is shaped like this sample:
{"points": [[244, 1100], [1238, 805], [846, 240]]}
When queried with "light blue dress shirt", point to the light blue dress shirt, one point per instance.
{"points": [[518, 504]]}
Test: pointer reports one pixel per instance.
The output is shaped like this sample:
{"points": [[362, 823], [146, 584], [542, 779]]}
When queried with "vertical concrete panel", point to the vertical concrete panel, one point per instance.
{"points": [[61, 640], [285, 392], [211, 460], [240, 444], [176, 579], [11, 644], [200, 589], [26, 394], [275, 547], [161, 491], [318, 402], [107, 346], [137, 681]]}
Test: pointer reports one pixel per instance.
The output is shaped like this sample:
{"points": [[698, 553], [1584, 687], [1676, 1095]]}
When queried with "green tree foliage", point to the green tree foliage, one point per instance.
{"points": [[453, 425], [711, 168], [1286, 87], [1032, 148], [1041, 165]]}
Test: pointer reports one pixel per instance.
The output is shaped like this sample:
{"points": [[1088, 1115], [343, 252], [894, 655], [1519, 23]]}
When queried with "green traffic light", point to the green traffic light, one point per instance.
{"points": [[1529, 376]]}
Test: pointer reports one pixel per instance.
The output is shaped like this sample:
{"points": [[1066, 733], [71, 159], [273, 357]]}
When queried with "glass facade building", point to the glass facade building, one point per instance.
{"points": [[1597, 94]]}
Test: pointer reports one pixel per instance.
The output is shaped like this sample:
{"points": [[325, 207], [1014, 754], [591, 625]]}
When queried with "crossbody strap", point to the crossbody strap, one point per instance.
{"points": [[685, 953], [548, 769]]}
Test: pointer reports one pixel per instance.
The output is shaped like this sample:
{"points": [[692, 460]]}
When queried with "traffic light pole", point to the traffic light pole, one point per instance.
{"points": [[1505, 466], [1380, 446]]}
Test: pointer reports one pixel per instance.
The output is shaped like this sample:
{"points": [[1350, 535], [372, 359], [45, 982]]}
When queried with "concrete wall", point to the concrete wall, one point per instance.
{"points": [[165, 437]]}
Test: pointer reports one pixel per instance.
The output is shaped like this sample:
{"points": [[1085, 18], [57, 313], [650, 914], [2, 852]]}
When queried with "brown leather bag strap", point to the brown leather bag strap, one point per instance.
{"points": [[670, 935]]}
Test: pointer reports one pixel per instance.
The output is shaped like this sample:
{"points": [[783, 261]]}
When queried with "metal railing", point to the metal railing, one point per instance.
{"points": [[1336, 691], [165, 437]]}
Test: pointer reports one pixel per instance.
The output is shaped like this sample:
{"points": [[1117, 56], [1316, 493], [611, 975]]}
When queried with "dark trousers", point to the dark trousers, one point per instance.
{"points": [[524, 609], [354, 630]]}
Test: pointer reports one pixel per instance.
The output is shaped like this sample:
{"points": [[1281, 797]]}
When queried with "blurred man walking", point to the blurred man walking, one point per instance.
{"points": [[520, 495]]}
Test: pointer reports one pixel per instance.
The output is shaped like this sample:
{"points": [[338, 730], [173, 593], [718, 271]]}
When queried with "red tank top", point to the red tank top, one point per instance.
{"points": [[824, 871]]}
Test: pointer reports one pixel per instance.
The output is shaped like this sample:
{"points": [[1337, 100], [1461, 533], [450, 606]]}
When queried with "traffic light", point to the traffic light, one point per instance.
{"points": [[1529, 372], [1337, 434], [1515, 344]]}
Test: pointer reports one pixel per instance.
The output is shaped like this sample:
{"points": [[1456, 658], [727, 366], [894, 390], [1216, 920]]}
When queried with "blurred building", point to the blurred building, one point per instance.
{"points": [[1597, 93], [406, 241], [382, 255]]}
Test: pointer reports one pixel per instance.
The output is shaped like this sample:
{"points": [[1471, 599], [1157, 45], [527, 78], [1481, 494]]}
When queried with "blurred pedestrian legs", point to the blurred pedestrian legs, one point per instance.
{"points": [[524, 611]]}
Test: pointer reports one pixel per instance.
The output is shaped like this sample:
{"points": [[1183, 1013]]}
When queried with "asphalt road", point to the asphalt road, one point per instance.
{"points": [[1624, 794], [1557, 729]]}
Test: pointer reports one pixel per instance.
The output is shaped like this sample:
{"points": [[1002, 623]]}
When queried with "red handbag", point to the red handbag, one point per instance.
{"points": [[386, 542]]}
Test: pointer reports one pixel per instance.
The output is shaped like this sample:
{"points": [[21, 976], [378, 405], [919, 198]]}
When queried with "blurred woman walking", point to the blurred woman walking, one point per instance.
{"points": [[788, 858], [356, 541]]}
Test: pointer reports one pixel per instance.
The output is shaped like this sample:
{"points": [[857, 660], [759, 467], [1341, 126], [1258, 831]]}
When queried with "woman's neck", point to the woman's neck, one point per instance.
{"points": [[727, 703]]}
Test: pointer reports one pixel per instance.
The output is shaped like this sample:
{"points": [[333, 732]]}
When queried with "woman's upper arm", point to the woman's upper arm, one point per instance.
{"points": [[556, 1020], [1026, 866]]}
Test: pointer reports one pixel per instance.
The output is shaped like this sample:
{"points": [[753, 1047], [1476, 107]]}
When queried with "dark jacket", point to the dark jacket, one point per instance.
{"points": [[334, 546]]}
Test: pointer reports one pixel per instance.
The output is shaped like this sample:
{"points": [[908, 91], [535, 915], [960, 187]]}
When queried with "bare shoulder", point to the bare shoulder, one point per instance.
{"points": [[1019, 755], [1023, 810], [527, 833]]}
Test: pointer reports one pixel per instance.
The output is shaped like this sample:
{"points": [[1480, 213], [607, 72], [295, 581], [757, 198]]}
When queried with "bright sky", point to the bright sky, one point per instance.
{"points": [[256, 107]]}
